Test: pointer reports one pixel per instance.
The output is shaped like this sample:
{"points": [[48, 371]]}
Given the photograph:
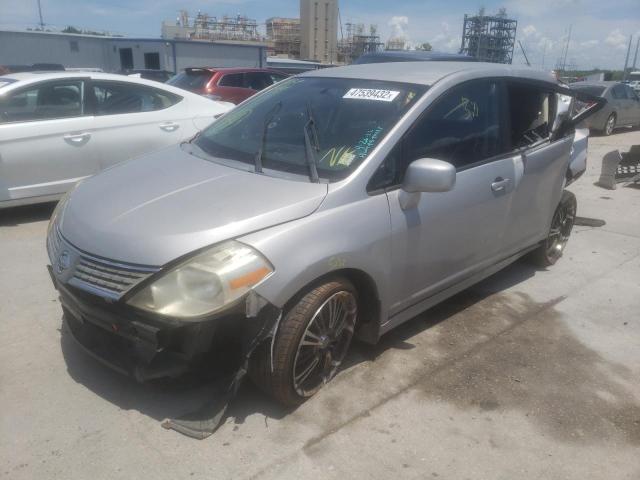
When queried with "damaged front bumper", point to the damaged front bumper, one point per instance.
{"points": [[146, 346]]}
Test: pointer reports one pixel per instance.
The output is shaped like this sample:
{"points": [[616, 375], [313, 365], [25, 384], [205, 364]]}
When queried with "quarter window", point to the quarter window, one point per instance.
{"points": [[531, 111], [113, 98], [43, 102]]}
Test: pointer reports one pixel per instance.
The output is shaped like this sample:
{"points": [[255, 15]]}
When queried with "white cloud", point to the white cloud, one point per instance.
{"points": [[617, 39], [399, 25]]}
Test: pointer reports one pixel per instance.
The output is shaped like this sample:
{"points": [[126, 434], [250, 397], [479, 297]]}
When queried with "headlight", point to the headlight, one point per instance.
{"points": [[205, 283]]}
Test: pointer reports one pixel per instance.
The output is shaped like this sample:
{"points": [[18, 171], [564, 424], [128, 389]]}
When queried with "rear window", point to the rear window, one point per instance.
{"points": [[595, 90], [191, 79]]}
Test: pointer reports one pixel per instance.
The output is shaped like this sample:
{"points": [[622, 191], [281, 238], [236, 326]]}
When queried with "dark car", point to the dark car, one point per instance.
{"points": [[621, 110], [412, 56], [226, 84], [157, 75]]}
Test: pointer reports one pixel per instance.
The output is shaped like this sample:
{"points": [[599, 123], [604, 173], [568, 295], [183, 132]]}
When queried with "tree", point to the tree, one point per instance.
{"points": [[425, 46]]}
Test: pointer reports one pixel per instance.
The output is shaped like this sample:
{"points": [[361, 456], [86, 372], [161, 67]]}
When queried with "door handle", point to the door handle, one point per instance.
{"points": [[169, 126], [499, 184], [77, 138]]}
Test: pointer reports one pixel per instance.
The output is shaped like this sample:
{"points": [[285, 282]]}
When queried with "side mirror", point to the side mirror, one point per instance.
{"points": [[429, 175]]}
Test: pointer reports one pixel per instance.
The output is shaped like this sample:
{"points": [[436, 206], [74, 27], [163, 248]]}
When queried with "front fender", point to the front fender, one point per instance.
{"points": [[354, 236]]}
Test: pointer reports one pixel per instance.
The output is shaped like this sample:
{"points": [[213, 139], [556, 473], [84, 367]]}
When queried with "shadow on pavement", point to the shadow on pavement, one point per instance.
{"points": [[172, 398], [14, 216]]}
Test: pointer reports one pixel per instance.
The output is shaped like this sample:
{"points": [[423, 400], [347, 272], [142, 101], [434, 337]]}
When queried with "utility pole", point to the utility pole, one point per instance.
{"points": [[566, 50], [635, 57], [40, 13], [523, 53], [626, 60], [544, 52]]}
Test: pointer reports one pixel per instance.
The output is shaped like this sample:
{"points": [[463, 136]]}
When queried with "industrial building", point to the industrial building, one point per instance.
{"points": [[283, 36], [122, 53], [489, 38], [358, 42], [319, 30], [211, 28]]}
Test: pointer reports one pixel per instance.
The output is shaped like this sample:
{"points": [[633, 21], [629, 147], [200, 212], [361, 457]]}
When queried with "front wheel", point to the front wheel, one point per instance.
{"points": [[550, 251], [310, 345]]}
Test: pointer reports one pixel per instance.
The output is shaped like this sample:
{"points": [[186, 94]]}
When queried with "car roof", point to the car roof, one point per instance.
{"points": [[25, 78], [232, 69], [428, 73], [416, 55], [594, 84]]}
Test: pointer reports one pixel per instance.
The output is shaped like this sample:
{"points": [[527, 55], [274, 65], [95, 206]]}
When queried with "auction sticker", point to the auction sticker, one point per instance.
{"points": [[372, 94]]}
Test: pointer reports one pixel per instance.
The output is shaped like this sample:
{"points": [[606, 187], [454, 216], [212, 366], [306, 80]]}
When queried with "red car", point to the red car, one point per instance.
{"points": [[226, 84]]}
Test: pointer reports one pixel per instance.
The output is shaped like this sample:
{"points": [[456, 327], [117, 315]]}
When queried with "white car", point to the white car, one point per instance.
{"points": [[57, 128]]}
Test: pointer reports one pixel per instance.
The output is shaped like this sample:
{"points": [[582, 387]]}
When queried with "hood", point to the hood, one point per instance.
{"points": [[161, 206]]}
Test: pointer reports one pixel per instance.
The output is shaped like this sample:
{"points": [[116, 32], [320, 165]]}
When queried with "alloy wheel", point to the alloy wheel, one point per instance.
{"points": [[561, 226], [324, 343], [610, 125]]}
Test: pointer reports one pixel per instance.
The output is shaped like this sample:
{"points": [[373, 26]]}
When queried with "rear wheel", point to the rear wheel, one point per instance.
{"points": [[310, 345], [610, 125], [550, 251]]}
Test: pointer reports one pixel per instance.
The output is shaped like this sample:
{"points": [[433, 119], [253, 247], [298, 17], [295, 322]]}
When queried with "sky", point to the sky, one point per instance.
{"points": [[599, 35]]}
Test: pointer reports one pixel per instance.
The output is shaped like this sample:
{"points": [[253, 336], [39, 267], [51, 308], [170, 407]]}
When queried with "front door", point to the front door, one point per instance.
{"points": [[448, 236], [542, 168], [46, 140]]}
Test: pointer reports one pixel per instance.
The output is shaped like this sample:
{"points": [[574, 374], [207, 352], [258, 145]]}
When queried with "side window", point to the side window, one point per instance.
{"points": [[531, 114], [275, 77], [631, 95], [617, 92], [256, 80], [231, 80], [112, 98], [60, 99], [462, 127]]}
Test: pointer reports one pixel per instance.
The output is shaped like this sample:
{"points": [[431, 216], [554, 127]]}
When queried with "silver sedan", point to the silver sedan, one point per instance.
{"points": [[621, 110]]}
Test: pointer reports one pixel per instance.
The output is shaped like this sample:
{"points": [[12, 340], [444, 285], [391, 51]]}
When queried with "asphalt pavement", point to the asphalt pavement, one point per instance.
{"points": [[531, 374]]}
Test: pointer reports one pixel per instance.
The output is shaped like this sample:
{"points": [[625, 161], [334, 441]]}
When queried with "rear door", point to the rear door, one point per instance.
{"points": [[633, 103], [620, 104], [47, 139], [449, 236], [542, 167], [133, 119], [231, 88]]}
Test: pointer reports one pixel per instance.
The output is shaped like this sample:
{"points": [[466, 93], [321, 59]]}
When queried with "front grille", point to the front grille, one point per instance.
{"points": [[113, 277], [106, 278]]}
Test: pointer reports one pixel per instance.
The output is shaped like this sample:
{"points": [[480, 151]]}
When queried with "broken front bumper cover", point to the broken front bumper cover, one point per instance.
{"points": [[146, 346]]}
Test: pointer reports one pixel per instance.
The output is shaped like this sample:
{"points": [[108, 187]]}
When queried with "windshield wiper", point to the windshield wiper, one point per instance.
{"points": [[311, 150], [263, 138]]}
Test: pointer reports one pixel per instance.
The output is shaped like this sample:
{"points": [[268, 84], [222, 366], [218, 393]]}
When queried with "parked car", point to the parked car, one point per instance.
{"points": [[622, 108], [57, 128], [633, 80], [158, 75], [226, 84], [387, 56], [339, 202]]}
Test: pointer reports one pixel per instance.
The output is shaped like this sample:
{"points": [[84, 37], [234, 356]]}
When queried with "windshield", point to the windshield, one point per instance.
{"points": [[349, 117], [595, 90], [190, 79]]}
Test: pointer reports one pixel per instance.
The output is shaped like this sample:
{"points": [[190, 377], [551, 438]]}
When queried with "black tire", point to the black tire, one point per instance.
{"points": [[279, 383], [551, 249], [609, 125]]}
